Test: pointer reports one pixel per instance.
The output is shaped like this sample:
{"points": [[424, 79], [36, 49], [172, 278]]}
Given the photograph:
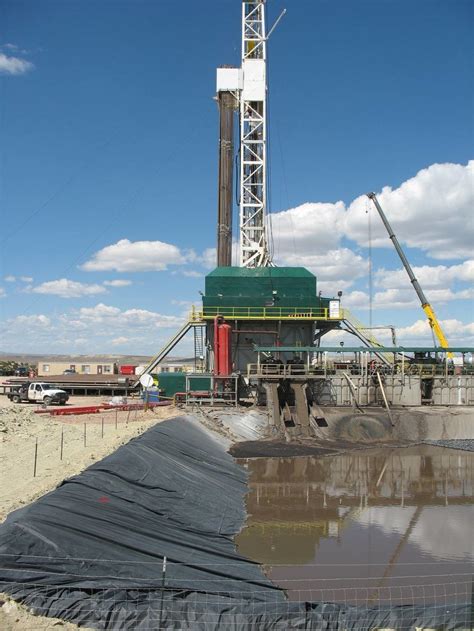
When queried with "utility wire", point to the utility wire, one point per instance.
{"points": [[268, 183], [113, 221], [84, 164], [285, 185], [371, 281]]}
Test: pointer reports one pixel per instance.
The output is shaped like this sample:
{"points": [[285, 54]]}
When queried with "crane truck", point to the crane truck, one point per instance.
{"points": [[427, 308]]}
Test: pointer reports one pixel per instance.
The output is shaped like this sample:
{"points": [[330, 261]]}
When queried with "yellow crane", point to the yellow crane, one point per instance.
{"points": [[427, 308]]}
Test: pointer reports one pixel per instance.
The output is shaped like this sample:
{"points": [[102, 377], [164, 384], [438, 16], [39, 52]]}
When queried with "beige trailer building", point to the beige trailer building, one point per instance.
{"points": [[81, 366]]}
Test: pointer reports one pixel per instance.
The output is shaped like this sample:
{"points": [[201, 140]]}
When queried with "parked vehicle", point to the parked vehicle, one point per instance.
{"points": [[22, 371], [69, 371], [38, 392], [9, 367]]}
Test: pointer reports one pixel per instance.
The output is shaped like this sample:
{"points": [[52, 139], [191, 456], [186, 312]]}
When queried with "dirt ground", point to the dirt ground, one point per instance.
{"points": [[85, 439], [14, 617], [21, 429]]}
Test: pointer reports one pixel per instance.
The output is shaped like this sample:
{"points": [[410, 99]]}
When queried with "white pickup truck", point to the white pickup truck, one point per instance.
{"points": [[39, 392]]}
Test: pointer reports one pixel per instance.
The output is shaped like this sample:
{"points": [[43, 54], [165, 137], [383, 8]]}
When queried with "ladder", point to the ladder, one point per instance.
{"points": [[199, 348]]}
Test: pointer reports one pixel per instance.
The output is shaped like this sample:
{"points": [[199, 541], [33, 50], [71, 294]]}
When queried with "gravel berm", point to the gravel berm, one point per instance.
{"points": [[466, 444]]}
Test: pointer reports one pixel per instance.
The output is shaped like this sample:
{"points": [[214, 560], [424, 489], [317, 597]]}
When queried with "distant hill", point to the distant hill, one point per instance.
{"points": [[32, 358]]}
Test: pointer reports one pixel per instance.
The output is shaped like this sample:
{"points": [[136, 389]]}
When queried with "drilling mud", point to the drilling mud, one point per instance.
{"points": [[378, 526]]}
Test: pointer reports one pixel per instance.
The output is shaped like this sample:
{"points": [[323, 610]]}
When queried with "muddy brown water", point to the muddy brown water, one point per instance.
{"points": [[376, 526]]}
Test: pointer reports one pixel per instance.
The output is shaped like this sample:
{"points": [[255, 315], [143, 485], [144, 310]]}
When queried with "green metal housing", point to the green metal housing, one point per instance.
{"points": [[170, 383], [265, 305], [262, 287]]}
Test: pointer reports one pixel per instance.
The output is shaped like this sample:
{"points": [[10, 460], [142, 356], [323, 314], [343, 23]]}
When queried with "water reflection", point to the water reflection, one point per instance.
{"points": [[370, 522]]}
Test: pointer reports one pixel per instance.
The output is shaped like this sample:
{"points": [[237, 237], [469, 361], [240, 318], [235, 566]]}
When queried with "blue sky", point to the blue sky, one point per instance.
{"points": [[109, 136]]}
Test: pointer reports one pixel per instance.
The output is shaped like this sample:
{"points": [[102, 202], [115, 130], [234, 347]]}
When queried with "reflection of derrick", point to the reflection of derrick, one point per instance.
{"points": [[385, 478], [396, 553], [295, 502], [354, 501], [291, 509], [312, 524]]}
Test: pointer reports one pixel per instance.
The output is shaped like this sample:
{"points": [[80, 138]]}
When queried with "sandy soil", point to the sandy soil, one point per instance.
{"points": [[20, 428], [14, 617]]}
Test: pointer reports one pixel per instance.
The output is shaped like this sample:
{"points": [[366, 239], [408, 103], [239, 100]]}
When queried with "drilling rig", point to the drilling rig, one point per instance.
{"points": [[262, 304], [258, 332], [244, 90]]}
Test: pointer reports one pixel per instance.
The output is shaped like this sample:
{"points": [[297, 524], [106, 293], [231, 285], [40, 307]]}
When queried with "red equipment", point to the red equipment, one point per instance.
{"points": [[222, 348], [127, 369]]}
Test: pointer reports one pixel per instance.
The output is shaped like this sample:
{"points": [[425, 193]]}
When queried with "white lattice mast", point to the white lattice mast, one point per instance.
{"points": [[253, 138]]}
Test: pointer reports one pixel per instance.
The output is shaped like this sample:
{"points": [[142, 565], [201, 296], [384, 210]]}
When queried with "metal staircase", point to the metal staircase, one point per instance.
{"points": [[168, 347], [355, 326]]}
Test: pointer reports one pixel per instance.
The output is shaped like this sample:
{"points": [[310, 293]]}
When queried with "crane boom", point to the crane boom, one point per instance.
{"points": [[427, 308]]}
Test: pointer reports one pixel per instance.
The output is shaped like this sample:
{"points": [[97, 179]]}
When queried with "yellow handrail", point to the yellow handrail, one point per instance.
{"points": [[357, 324], [262, 313]]}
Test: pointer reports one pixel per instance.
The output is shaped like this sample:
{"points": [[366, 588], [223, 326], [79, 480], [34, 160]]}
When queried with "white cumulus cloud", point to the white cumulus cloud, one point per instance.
{"points": [[403, 298], [14, 65], [435, 276], [310, 236], [341, 265], [418, 333], [119, 341], [432, 211], [208, 258], [37, 320], [115, 318], [13, 279], [117, 283], [135, 256], [455, 330], [356, 299], [313, 227], [66, 288], [192, 273], [99, 312], [94, 329]]}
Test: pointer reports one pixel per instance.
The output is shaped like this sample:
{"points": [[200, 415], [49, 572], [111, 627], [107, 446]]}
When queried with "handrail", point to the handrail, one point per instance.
{"points": [[263, 313], [280, 370], [294, 370], [357, 324]]}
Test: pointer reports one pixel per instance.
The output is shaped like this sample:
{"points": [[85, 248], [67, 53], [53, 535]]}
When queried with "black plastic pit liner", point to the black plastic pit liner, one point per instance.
{"points": [[91, 551]]}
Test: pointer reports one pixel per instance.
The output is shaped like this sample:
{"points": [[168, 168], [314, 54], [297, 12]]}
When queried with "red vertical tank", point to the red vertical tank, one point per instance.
{"points": [[222, 348]]}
